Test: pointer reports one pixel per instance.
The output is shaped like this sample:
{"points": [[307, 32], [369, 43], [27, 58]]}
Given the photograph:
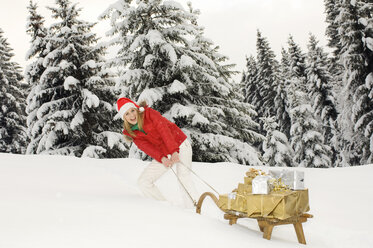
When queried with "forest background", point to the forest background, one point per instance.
{"points": [[307, 105]]}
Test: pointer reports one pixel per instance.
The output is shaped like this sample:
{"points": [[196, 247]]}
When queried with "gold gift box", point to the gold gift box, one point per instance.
{"points": [[280, 205], [223, 202], [238, 204], [248, 180], [244, 189]]}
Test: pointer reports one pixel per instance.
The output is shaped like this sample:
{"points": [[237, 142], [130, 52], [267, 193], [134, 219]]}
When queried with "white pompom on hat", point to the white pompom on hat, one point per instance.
{"points": [[124, 104]]}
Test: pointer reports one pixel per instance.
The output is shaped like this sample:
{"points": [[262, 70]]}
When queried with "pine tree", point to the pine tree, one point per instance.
{"points": [[281, 99], [206, 46], [13, 137], [354, 102], [249, 89], [332, 11], [37, 31], [261, 81], [306, 139], [75, 92], [276, 147], [180, 73], [364, 94], [249, 81], [297, 64], [34, 71], [245, 121], [268, 69], [320, 89]]}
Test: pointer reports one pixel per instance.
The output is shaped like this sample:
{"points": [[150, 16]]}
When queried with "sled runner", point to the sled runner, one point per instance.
{"points": [[266, 224]]}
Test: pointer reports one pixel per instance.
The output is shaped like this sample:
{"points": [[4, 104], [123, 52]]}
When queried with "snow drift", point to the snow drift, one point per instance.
{"points": [[56, 201]]}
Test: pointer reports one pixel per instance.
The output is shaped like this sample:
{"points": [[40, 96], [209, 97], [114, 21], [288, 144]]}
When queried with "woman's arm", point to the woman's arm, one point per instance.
{"points": [[161, 123], [149, 149]]}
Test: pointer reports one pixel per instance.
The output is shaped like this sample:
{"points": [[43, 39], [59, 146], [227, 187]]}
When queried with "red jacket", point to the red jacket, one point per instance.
{"points": [[162, 136]]}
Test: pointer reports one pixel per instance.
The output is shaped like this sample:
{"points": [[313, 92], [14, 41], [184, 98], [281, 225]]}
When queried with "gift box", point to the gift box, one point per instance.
{"points": [[260, 185], [223, 202], [231, 197], [239, 203], [251, 174], [268, 196], [233, 201], [248, 180], [280, 205], [294, 179], [298, 180], [244, 189]]}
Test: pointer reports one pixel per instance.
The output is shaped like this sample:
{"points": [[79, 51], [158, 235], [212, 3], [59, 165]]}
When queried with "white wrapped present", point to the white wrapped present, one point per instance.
{"points": [[261, 185], [293, 178]]}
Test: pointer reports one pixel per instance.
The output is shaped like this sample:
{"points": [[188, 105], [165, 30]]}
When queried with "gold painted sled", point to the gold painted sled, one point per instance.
{"points": [[287, 208]]}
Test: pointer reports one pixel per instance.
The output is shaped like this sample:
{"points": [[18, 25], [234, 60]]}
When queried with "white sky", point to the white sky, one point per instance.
{"points": [[231, 24]]}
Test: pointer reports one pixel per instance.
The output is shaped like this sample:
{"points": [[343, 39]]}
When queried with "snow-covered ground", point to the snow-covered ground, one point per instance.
{"points": [[55, 201]]}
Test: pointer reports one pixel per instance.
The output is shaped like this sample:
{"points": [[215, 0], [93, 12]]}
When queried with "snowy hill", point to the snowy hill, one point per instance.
{"points": [[55, 201]]}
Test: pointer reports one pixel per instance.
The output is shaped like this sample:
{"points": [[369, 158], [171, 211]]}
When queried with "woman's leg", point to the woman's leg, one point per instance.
{"points": [[148, 177], [185, 175]]}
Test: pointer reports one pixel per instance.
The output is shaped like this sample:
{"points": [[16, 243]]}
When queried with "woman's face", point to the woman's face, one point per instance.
{"points": [[131, 116]]}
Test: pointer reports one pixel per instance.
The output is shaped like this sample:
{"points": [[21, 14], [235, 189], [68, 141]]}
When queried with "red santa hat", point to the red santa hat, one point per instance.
{"points": [[124, 104]]}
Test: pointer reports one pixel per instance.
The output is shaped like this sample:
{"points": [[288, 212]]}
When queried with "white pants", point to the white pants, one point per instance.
{"points": [[155, 170]]}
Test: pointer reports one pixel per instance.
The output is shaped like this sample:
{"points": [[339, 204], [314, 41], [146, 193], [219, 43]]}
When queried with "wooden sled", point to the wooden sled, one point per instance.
{"points": [[265, 224]]}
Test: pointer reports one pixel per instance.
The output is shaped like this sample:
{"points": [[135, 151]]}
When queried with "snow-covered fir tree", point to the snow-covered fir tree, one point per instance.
{"points": [[281, 98], [206, 46], [276, 147], [306, 139], [249, 90], [364, 94], [297, 64], [38, 33], [261, 80], [332, 10], [223, 71], [170, 64], [13, 136], [249, 81], [355, 105], [267, 79], [320, 90], [74, 94]]}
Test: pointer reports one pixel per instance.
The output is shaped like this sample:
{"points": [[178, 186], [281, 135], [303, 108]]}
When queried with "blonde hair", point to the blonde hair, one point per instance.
{"points": [[140, 122]]}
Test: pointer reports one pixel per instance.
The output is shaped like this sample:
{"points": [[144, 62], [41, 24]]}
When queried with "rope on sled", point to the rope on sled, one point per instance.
{"points": [[194, 202], [199, 177]]}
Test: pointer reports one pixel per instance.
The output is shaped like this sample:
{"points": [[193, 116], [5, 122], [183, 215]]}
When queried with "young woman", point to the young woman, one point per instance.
{"points": [[163, 141]]}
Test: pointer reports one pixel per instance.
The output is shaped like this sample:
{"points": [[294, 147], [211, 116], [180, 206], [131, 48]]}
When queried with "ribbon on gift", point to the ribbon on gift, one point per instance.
{"points": [[293, 178], [278, 186]]}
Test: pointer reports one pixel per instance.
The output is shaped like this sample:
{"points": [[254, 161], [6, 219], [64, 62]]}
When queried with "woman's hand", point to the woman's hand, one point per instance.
{"points": [[166, 162], [175, 157]]}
